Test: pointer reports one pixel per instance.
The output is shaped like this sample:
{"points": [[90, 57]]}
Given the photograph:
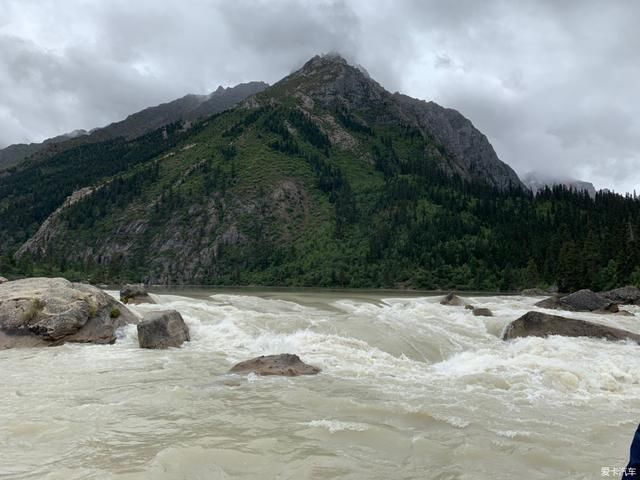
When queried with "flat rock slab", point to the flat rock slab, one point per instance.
{"points": [[52, 311], [285, 364], [162, 330], [580, 301], [135, 295], [538, 324]]}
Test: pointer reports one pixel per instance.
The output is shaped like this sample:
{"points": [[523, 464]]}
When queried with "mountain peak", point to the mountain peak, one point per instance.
{"points": [[327, 59]]}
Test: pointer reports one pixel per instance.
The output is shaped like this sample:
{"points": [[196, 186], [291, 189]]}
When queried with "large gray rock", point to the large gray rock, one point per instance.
{"points": [[285, 364], [162, 330], [580, 301], [538, 324], [628, 295], [451, 299], [135, 294], [482, 312], [52, 311]]}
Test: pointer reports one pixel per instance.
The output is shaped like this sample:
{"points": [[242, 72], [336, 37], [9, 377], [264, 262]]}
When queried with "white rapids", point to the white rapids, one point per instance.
{"points": [[409, 389]]}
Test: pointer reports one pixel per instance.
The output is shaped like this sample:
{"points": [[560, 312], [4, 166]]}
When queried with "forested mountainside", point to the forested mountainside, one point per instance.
{"points": [[323, 179], [187, 108]]}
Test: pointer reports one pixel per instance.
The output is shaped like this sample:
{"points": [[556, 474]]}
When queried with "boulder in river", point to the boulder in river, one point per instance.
{"points": [[162, 330], [538, 324], [482, 312], [628, 295], [135, 294], [285, 364], [580, 301], [453, 300], [52, 311]]}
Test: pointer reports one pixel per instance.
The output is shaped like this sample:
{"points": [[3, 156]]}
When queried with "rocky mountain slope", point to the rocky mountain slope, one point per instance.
{"points": [[334, 84], [325, 178], [187, 108]]}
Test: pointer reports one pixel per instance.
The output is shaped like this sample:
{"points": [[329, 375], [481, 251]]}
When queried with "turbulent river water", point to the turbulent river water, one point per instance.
{"points": [[409, 389]]}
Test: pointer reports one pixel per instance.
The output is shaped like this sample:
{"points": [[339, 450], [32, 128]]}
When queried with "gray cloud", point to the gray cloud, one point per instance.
{"points": [[552, 84]]}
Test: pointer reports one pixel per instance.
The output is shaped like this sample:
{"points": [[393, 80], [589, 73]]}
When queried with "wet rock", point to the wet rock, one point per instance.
{"points": [[135, 294], [162, 330], [285, 364], [3, 280], [482, 312], [538, 324], [469, 307], [535, 292], [580, 301], [52, 311], [453, 300], [628, 295]]}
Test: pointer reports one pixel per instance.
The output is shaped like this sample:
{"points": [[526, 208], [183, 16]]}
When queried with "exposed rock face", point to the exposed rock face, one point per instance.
{"points": [[285, 364], [628, 295], [580, 301], [538, 324], [162, 330], [52, 311], [453, 300], [474, 157], [37, 243], [135, 294], [482, 312]]}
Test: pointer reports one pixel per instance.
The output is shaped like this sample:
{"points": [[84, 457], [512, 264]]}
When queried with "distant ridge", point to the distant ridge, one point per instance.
{"points": [[187, 108], [536, 181]]}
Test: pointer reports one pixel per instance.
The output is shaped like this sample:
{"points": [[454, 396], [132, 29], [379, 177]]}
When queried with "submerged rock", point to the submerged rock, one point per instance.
{"points": [[538, 324], [453, 300], [52, 311], [482, 312], [580, 301], [135, 294], [284, 364], [535, 292], [628, 295], [162, 330]]}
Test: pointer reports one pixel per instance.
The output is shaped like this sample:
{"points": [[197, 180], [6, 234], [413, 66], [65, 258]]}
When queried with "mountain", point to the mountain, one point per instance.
{"points": [[536, 181], [187, 108], [334, 84], [323, 179]]}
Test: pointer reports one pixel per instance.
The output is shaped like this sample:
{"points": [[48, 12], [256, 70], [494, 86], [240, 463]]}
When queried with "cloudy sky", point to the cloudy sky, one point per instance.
{"points": [[553, 84]]}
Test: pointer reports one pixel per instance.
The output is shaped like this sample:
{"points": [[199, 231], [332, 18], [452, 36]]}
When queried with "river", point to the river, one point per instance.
{"points": [[409, 389]]}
